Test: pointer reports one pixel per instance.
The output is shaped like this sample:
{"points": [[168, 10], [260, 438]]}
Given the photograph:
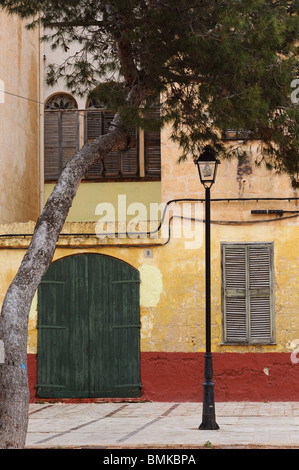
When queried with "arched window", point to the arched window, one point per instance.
{"points": [[61, 128], [61, 101]]}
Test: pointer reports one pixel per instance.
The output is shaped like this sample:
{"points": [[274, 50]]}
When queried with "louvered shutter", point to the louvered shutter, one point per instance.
{"points": [[61, 141], [94, 124], [112, 160], [152, 148], [69, 136], [52, 145], [260, 292], [94, 128], [152, 153], [117, 164], [234, 279], [129, 159], [248, 293]]}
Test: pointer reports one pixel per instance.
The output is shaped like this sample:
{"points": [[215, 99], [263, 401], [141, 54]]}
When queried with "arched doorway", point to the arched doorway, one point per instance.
{"points": [[89, 329]]}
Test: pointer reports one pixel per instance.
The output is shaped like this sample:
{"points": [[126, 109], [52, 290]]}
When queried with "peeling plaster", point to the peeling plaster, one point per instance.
{"points": [[151, 285], [147, 326]]}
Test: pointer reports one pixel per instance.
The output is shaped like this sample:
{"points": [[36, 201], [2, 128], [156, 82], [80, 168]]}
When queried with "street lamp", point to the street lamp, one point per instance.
{"points": [[207, 169]]}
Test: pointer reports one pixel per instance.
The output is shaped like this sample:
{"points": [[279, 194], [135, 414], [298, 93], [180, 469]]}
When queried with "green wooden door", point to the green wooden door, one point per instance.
{"points": [[89, 329]]}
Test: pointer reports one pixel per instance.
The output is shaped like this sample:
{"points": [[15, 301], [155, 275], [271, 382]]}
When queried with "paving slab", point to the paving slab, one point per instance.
{"points": [[159, 425]]}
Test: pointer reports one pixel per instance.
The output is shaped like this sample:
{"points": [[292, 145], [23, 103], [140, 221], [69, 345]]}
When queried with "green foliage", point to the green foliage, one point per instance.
{"points": [[218, 64]]}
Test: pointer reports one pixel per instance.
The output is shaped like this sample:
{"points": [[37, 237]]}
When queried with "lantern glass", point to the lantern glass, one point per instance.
{"points": [[207, 171], [207, 166]]}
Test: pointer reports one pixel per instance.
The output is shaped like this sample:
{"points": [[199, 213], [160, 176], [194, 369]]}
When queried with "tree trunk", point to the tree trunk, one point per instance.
{"points": [[14, 392]]}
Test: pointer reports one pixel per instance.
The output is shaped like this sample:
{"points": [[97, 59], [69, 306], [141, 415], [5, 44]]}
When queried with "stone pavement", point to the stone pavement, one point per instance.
{"points": [[152, 425]]}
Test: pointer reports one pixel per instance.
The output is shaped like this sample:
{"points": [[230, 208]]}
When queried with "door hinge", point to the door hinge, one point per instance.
{"points": [[56, 327], [48, 386], [126, 281]]}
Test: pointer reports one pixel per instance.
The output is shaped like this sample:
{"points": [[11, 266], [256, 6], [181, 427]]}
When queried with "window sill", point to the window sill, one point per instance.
{"points": [[112, 180]]}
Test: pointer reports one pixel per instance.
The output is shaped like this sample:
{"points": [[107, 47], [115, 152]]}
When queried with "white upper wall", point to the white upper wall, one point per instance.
{"points": [[57, 56]]}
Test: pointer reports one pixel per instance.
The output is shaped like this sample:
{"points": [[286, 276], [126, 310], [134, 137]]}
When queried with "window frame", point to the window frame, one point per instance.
{"points": [[133, 167], [236, 134], [248, 292]]}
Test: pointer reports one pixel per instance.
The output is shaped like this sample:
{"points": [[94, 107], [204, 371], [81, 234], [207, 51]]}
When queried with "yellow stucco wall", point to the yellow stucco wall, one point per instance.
{"points": [[235, 178], [172, 300], [89, 195], [19, 121]]}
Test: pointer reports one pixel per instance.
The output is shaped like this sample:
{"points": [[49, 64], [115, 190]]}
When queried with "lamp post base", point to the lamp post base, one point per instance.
{"points": [[208, 426], [208, 423], [208, 411]]}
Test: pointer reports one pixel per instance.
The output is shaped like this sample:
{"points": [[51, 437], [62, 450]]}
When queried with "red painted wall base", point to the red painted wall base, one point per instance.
{"points": [[237, 377]]}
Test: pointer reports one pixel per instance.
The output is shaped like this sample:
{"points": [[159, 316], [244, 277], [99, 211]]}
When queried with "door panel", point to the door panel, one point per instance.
{"points": [[89, 321], [100, 318], [125, 340], [77, 371], [113, 362], [52, 334]]}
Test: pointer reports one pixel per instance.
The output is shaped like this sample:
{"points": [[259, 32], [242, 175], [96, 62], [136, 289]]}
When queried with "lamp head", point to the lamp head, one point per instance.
{"points": [[207, 166]]}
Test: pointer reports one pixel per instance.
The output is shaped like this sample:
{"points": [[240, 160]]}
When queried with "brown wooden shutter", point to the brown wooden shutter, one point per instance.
{"points": [[117, 164], [69, 136], [51, 145], [94, 124], [129, 163], [152, 154], [152, 149], [129, 159], [247, 280], [112, 160], [61, 141]]}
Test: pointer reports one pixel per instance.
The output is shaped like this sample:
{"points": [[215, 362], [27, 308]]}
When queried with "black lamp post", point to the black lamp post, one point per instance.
{"points": [[207, 168]]}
